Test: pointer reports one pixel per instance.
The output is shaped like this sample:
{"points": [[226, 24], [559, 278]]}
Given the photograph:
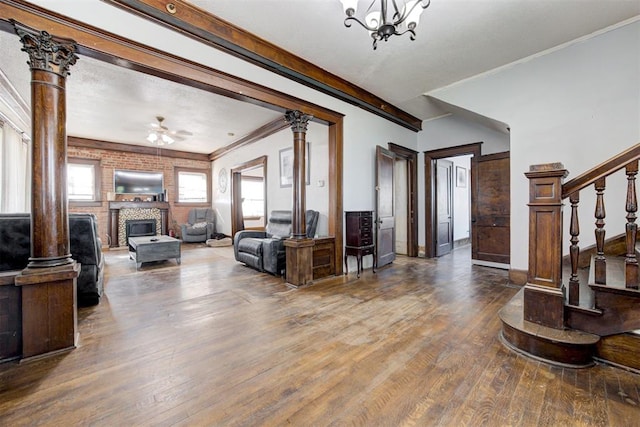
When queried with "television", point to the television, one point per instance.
{"points": [[133, 182]]}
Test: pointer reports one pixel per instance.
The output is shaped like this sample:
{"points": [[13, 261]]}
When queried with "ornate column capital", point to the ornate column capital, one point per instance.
{"points": [[46, 52], [297, 120]]}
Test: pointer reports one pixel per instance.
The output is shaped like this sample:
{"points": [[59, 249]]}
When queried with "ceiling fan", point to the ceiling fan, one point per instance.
{"points": [[161, 135]]}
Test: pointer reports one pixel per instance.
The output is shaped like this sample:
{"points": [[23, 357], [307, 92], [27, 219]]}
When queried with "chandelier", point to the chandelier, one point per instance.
{"points": [[383, 23]]}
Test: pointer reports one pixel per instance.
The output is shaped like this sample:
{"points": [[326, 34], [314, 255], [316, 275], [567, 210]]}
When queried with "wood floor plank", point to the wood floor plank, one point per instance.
{"points": [[214, 343], [623, 408]]}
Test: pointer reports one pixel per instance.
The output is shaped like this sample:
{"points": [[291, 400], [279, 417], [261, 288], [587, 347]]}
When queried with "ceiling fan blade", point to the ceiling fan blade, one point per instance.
{"points": [[184, 132]]}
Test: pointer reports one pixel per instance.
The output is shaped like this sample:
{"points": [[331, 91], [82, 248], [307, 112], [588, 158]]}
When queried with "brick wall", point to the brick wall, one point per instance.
{"points": [[110, 160]]}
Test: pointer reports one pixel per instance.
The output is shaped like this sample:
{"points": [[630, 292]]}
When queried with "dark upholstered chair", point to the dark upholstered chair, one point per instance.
{"points": [[264, 250], [85, 246], [201, 224]]}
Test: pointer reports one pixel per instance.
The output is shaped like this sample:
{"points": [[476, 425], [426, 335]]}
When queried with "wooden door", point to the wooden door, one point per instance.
{"points": [[490, 217], [444, 207], [385, 220]]}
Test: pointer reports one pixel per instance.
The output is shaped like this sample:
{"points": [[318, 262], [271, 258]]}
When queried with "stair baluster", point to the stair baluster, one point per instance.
{"points": [[631, 262], [600, 214], [574, 250]]}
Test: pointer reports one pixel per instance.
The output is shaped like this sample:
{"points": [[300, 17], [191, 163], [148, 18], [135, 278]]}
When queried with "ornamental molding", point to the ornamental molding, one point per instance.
{"points": [[297, 120], [46, 52]]}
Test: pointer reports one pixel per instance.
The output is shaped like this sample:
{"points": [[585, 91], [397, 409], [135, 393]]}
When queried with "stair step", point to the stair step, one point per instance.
{"points": [[561, 347], [615, 278], [620, 350], [617, 312], [614, 272]]}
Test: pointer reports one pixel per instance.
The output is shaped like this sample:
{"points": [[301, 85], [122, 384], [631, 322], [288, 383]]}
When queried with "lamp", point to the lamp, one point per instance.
{"points": [[380, 25]]}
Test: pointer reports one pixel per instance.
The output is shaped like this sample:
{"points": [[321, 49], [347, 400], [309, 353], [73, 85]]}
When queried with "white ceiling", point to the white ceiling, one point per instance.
{"points": [[114, 104], [456, 39]]}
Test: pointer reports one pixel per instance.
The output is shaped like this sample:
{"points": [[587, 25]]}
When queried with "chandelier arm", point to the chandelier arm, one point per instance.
{"points": [[406, 15], [347, 23], [397, 12], [408, 30]]}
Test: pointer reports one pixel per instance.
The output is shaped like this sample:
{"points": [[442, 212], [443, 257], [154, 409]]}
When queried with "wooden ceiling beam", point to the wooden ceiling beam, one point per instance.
{"points": [[209, 29], [74, 141], [262, 132]]}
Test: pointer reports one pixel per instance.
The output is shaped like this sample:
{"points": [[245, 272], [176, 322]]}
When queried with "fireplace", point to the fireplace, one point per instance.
{"points": [[140, 227], [120, 212]]}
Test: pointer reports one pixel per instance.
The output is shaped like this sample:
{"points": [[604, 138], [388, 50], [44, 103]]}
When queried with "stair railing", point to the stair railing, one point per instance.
{"points": [[544, 297]]}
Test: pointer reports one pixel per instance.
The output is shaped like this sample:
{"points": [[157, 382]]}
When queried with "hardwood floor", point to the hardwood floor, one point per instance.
{"points": [[214, 343]]}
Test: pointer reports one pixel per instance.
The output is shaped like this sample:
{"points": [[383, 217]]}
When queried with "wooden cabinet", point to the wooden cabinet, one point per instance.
{"points": [[359, 238], [324, 257], [10, 317]]}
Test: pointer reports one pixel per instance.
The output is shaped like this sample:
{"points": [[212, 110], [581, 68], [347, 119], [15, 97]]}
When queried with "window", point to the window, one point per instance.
{"points": [[252, 197], [83, 182], [193, 186]]}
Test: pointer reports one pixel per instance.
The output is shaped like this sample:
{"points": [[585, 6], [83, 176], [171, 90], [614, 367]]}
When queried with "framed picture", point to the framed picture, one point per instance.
{"points": [[286, 166], [461, 176]]}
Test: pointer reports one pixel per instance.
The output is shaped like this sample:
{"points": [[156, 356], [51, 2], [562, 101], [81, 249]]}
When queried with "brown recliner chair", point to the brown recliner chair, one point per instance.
{"points": [[264, 250]]}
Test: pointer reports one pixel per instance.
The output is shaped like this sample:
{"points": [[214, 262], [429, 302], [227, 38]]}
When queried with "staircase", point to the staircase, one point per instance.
{"points": [[596, 316]]}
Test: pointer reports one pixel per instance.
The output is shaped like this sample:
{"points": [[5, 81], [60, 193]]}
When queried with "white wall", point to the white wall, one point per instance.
{"points": [[453, 130], [579, 105], [279, 198]]}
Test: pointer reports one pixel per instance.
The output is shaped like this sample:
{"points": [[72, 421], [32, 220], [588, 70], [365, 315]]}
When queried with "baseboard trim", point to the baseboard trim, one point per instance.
{"points": [[491, 264], [461, 242]]}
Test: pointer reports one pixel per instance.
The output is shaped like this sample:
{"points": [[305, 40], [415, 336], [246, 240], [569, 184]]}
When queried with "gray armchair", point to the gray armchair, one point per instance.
{"points": [[201, 224], [264, 250]]}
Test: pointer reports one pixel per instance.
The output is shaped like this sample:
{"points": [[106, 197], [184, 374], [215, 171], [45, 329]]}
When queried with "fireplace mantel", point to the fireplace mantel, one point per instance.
{"points": [[138, 205], [114, 217]]}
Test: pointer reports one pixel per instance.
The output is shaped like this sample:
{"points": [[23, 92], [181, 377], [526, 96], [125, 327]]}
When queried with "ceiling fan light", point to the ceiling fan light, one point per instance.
{"points": [[152, 137], [167, 139]]}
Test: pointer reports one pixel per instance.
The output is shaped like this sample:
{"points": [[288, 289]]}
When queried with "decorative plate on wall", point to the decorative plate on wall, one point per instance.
{"points": [[222, 180]]}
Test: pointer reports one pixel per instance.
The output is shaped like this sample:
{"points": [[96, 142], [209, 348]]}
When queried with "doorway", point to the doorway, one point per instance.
{"points": [[249, 195], [488, 180], [405, 189], [453, 201], [444, 207]]}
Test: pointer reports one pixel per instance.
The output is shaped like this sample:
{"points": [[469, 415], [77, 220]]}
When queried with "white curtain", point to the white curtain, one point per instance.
{"points": [[15, 171]]}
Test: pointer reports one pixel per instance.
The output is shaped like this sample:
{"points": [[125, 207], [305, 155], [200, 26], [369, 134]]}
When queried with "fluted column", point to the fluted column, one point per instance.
{"points": [[49, 318], [299, 269]]}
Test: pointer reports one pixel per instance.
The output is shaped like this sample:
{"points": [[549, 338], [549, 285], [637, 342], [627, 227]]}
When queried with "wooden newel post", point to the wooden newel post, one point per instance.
{"points": [[49, 319], [299, 265], [543, 293]]}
